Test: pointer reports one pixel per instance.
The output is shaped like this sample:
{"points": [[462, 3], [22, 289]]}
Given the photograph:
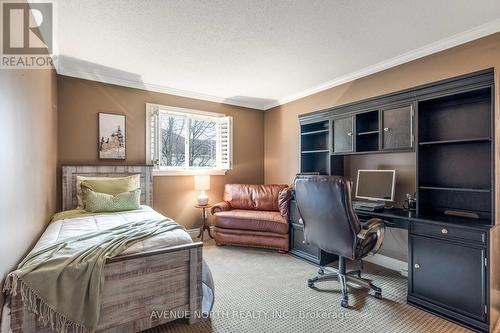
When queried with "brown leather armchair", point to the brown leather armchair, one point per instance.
{"points": [[253, 215]]}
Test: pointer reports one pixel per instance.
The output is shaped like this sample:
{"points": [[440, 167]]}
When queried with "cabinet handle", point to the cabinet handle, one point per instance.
{"points": [[349, 133], [386, 129], [444, 231], [417, 266]]}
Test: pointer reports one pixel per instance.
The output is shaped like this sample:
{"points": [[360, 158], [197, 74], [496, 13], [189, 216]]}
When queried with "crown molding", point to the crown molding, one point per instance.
{"points": [[62, 70], [441, 45]]}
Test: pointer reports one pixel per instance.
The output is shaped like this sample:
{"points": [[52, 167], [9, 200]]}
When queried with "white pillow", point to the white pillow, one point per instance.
{"points": [[136, 179]]}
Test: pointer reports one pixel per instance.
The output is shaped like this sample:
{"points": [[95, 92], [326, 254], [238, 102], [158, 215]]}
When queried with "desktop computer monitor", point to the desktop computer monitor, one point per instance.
{"points": [[376, 185]]}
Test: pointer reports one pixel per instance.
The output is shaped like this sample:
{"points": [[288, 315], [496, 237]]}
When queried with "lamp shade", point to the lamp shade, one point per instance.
{"points": [[202, 182]]}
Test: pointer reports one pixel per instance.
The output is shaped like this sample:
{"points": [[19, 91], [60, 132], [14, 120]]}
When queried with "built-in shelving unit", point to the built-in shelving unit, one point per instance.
{"points": [[455, 155], [450, 125], [314, 149]]}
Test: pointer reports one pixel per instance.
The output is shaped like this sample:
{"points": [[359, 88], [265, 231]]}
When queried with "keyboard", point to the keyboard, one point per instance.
{"points": [[366, 205]]}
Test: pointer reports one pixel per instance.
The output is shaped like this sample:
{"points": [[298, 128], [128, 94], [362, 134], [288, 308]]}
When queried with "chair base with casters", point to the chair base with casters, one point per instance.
{"points": [[329, 273]]}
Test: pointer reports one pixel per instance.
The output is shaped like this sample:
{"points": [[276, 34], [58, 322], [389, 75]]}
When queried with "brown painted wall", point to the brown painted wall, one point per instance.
{"points": [[28, 142], [396, 241], [281, 161], [81, 100]]}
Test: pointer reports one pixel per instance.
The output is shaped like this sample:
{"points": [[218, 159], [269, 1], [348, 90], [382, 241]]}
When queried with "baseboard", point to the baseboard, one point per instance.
{"points": [[389, 263]]}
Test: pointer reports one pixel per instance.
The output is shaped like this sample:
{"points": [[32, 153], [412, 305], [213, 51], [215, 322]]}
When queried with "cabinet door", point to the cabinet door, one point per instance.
{"points": [[450, 275], [343, 135], [397, 128]]}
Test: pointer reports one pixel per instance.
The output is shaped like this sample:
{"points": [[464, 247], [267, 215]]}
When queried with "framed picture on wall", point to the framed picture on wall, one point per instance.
{"points": [[112, 136]]}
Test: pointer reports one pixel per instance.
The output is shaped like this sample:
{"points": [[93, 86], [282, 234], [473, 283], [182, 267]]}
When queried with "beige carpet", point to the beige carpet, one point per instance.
{"points": [[263, 291]]}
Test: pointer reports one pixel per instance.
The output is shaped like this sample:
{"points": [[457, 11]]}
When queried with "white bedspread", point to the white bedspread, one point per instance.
{"points": [[69, 227]]}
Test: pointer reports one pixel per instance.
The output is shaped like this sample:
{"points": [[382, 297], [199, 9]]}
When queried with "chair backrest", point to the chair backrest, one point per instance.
{"points": [[325, 206], [253, 197]]}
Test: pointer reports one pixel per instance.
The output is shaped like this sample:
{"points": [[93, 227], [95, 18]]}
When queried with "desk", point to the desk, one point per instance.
{"points": [[448, 262]]}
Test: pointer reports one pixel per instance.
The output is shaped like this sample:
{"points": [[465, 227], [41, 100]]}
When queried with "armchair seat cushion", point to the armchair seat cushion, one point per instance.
{"points": [[254, 220]]}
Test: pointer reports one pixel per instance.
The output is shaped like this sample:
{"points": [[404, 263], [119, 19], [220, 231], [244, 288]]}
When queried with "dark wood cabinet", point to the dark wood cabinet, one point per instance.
{"points": [[448, 271], [450, 275], [397, 128], [343, 135]]}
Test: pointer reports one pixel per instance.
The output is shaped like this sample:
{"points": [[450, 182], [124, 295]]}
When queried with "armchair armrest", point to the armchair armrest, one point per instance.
{"points": [[284, 198], [373, 226], [220, 207]]}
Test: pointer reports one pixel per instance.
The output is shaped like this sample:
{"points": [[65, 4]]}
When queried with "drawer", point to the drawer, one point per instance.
{"points": [[299, 245], [449, 232]]}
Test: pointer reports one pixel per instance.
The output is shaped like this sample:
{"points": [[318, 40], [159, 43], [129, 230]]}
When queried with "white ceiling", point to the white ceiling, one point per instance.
{"points": [[256, 53]]}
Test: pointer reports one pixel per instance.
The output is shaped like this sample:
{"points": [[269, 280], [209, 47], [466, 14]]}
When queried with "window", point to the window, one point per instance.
{"points": [[183, 141]]}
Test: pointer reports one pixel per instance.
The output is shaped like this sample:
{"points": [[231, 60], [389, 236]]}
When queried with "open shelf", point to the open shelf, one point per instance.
{"points": [[458, 117], [323, 131], [315, 151], [368, 133], [313, 127], [367, 122], [314, 142], [366, 143], [315, 163], [458, 189], [463, 165], [438, 201], [428, 143]]}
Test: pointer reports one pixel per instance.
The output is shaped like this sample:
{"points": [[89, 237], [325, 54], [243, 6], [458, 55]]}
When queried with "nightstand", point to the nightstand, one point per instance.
{"points": [[205, 225]]}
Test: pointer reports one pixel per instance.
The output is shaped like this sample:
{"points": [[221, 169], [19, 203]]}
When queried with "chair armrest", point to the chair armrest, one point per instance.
{"points": [[284, 198], [220, 207], [372, 223], [373, 226]]}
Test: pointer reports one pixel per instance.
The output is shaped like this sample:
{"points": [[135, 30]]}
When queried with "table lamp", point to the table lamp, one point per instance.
{"points": [[202, 184]]}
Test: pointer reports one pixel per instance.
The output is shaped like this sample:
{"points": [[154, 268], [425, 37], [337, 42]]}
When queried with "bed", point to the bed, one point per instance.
{"points": [[145, 285]]}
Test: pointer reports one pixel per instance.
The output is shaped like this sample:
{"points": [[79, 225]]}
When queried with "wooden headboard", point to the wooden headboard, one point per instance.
{"points": [[69, 173]]}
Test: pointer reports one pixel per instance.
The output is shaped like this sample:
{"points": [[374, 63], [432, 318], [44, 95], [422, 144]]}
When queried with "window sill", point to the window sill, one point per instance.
{"points": [[189, 172]]}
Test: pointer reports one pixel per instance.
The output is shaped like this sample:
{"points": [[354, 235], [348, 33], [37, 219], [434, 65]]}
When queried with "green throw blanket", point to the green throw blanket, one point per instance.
{"points": [[61, 283]]}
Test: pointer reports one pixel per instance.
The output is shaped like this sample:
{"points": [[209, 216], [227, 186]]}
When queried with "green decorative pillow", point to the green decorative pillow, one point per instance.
{"points": [[108, 185], [97, 202]]}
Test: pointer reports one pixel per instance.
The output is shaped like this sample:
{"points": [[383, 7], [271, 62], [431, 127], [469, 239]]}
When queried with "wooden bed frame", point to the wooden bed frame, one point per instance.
{"points": [[141, 290]]}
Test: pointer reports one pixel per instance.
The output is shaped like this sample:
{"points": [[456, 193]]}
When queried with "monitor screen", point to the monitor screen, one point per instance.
{"points": [[376, 185]]}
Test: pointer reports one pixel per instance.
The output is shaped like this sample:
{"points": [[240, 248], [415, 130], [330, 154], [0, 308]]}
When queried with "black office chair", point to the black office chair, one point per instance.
{"points": [[330, 223]]}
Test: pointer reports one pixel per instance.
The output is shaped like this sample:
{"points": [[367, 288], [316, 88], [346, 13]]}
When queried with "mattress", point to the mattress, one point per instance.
{"points": [[77, 222]]}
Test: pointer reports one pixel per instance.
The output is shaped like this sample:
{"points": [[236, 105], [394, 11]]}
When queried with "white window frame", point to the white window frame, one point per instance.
{"points": [[153, 148]]}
